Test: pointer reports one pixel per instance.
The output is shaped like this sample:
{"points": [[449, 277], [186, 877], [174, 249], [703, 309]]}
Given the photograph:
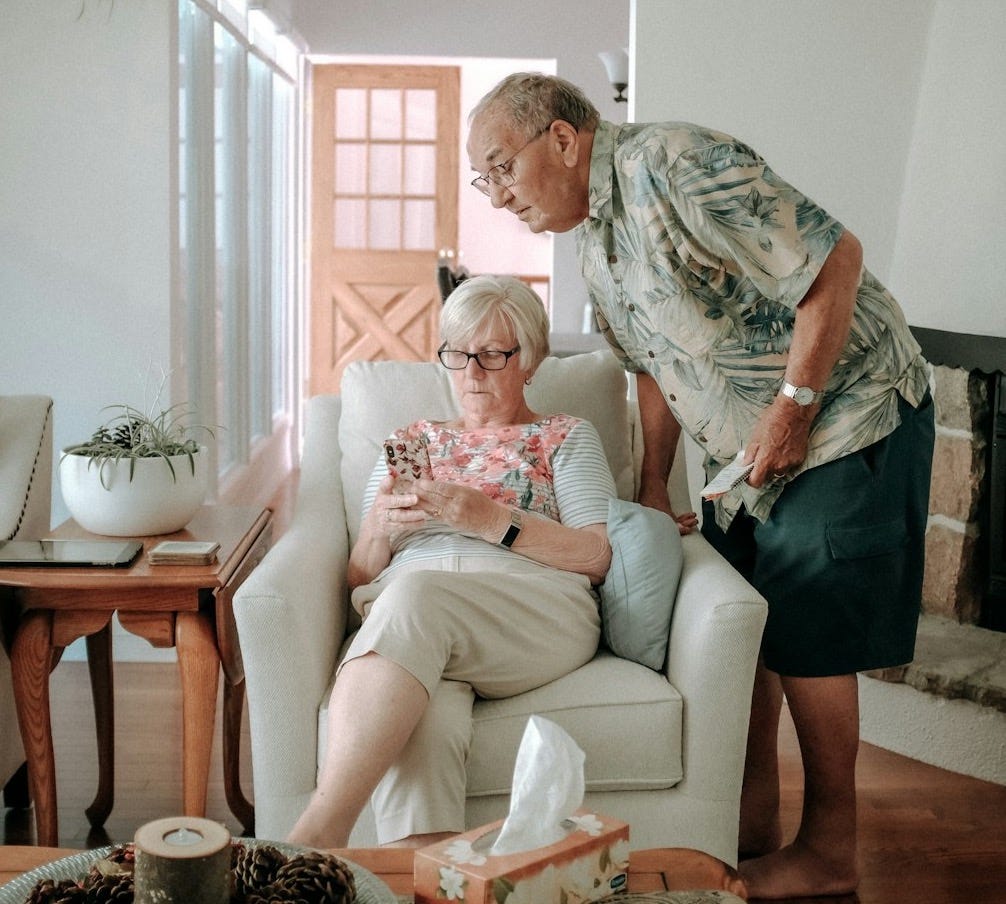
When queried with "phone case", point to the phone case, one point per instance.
{"points": [[408, 459]]}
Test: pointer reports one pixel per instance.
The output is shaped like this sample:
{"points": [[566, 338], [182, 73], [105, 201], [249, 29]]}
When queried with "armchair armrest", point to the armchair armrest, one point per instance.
{"points": [[716, 633], [291, 617]]}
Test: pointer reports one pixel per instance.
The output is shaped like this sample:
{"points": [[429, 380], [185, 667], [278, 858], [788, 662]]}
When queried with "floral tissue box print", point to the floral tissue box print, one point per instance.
{"points": [[590, 863]]}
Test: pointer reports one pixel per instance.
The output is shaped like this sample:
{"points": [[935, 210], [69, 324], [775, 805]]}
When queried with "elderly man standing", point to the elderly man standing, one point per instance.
{"points": [[749, 319]]}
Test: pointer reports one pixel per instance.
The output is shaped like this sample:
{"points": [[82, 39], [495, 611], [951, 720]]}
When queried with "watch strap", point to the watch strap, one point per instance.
{"points": [[514, 529], [802, 395]]}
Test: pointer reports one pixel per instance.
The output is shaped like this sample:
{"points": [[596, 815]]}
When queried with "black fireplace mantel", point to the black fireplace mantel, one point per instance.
{"points": [[968, 351]]}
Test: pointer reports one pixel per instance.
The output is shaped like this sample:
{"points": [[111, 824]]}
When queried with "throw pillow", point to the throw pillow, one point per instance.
{"points": [[637, 596]]}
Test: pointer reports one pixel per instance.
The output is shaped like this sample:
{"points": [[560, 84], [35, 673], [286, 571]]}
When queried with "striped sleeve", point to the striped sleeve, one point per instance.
{"points": [[582, 479]]}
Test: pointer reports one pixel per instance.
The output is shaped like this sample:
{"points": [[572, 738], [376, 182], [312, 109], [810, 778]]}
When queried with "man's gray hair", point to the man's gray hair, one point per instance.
{"points": [[531, 101]]}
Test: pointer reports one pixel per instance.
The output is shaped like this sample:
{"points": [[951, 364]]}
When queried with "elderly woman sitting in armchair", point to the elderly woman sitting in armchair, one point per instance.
{"points": [[477, 581]]}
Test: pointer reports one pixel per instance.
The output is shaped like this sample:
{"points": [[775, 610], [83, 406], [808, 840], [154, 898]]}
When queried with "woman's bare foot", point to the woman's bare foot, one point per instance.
{"points": [[796, 871]]}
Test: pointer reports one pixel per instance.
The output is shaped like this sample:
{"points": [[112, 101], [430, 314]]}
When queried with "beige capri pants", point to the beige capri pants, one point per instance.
{"points": [[463, 626]]}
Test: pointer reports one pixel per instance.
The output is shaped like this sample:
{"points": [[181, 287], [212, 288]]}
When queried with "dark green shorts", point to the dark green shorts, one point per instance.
{"points": [[840, 559]]}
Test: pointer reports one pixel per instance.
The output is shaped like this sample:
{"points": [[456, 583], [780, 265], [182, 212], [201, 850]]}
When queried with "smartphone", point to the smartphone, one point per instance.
{"points": [[407, 459]]}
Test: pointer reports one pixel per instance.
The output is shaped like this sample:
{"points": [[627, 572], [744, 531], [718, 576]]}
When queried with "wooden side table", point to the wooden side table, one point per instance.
{"points": [[185, 606]]}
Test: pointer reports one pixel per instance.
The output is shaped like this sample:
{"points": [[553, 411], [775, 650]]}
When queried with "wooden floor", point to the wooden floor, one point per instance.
{"points": [[927, 836]]}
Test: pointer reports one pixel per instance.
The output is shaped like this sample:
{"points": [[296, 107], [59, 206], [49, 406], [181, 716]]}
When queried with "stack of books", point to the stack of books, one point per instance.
{"points": [[183, 552]]}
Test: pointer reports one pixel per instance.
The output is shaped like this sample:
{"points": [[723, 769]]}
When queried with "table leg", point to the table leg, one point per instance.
{"points": [[99, 664], [31, 663], [234, 698], [199, 667]]}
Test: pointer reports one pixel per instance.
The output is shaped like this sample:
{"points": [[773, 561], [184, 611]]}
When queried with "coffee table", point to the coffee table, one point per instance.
{"points": [[667, 872], [183, 606]]}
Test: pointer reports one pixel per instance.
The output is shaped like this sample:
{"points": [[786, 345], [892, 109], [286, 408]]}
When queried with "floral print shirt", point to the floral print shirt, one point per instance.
{"points": [[511, 465], [696, 255], [553, 468]]}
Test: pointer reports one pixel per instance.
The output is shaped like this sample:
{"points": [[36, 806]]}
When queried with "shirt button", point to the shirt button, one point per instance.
{"points": [[672, 396], [612, 258], [701, 437], [651, 354], [632, 307]]}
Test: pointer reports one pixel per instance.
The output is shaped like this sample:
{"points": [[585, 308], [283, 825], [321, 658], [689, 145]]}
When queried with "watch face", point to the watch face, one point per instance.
{"points": [[804, 395]]}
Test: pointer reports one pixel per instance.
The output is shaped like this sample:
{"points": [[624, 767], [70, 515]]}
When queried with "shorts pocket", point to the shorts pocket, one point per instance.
{"points": [[867, 542]]}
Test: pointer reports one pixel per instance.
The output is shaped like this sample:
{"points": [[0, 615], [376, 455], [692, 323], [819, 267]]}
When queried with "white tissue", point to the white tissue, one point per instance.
{"points": [[547, 788]]}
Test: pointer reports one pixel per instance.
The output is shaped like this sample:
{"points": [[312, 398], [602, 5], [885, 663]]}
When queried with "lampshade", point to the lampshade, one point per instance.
{"points": [[616, 62]]}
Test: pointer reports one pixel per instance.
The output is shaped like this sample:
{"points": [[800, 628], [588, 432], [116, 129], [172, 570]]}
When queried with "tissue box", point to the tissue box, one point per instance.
{"points": [[590, 863]]}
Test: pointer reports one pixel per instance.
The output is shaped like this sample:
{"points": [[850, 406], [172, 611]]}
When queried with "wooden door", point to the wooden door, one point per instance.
{"points": [[384, 199]]}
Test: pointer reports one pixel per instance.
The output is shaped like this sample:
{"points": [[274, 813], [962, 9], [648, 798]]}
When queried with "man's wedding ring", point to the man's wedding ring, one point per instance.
{"points": [[778, 476]]}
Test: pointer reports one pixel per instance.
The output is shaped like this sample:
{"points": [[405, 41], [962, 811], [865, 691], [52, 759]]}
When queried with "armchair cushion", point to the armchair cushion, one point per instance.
{"points": [[637, 596]]}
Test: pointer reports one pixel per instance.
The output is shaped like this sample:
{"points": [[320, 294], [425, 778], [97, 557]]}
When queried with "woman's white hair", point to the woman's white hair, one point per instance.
{"points": [[481, 301]]}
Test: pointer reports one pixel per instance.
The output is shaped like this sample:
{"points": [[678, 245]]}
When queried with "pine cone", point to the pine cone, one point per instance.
{"points": [[111, 890], [120, 861], [65, 891], [253, 868], [311, 878]]}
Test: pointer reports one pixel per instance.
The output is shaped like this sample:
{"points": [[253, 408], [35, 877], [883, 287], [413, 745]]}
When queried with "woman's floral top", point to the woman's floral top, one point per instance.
{"points": [[511, 465], [553, 468]]}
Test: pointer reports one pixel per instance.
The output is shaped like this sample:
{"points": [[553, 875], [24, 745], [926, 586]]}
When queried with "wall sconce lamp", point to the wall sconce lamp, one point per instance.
{"points": [[616, 62]]}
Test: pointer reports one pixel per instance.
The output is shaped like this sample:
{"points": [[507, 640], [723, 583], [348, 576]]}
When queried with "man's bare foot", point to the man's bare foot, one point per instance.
{"points": [[759, 840], [796, 871]]}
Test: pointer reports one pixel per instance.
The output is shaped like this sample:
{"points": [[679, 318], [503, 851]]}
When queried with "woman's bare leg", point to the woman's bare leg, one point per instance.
{"points": [[374, 708], [822, 858]]}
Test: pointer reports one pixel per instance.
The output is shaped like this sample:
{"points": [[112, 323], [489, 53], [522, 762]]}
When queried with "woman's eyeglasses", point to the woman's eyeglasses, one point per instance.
{"points": [[454, 359]]}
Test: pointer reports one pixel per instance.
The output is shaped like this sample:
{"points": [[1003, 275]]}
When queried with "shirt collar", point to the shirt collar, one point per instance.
{"points": [[602, 171]]}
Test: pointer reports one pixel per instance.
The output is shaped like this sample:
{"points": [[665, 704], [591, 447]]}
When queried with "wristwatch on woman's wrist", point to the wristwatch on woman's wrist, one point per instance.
{"points": [[516, 523]]}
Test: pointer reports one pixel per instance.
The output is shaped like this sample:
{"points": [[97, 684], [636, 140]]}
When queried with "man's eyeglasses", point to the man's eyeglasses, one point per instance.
{"points": [[453, 359], [500, 174]]}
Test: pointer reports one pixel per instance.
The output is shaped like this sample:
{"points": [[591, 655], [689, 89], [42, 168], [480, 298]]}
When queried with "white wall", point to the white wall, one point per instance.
{"points": [[951, 236], [842, 99], [84, 192], [568, 32]]}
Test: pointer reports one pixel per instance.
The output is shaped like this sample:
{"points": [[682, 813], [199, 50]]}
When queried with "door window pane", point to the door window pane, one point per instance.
{"points": [[385, 169], [385, 227], [386, 113], [420, 169], [350, 168], [351, 113], [418, 234], [350, 222], [421, 115]]}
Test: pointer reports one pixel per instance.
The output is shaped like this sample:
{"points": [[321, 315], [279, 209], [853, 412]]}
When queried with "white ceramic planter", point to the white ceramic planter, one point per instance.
{"points": [[153, 502]]}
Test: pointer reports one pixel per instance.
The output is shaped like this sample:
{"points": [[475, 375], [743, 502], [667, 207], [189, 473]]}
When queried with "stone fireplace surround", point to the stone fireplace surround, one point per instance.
{"points": [[948, 707]]}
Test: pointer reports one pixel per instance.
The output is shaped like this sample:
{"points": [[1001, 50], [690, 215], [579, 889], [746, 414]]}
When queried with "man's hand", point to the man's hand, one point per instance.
{"points": [[778, 443]]}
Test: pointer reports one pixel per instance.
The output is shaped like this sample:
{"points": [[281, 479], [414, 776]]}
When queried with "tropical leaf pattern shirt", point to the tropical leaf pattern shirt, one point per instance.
{"points": [[696, 255]]}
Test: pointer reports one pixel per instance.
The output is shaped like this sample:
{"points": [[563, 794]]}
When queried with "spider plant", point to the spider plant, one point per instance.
{"points": [[133, 434]]}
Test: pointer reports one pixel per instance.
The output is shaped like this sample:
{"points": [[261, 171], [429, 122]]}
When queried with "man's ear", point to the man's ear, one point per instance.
{"points": [[568, 140]]}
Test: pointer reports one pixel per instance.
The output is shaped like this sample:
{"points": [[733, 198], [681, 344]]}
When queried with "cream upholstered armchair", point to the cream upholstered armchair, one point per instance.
{"points": [[25, 496], [664, 749]]}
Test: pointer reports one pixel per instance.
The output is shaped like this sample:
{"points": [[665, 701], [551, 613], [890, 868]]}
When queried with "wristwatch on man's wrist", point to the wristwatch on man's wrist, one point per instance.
{"points": [[802, 395]]}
